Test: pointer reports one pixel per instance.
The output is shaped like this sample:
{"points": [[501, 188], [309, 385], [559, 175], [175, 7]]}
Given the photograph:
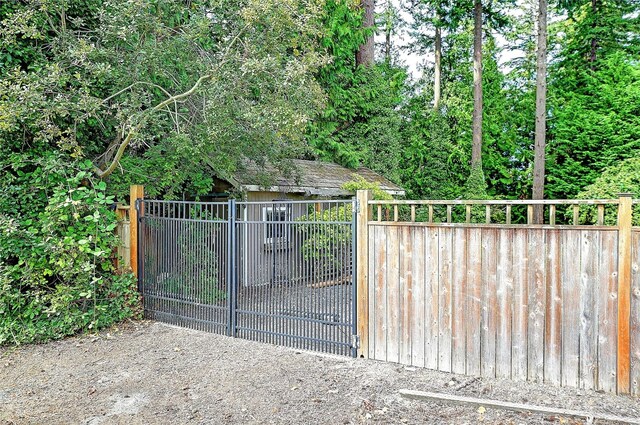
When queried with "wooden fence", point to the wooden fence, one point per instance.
{"points": [[558, 303], [123, 230]]}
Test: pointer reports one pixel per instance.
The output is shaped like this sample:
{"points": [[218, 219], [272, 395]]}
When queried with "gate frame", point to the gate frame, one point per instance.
{"points": [[358, 267]]}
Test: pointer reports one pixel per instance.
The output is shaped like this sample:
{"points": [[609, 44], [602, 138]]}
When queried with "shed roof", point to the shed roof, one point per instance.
{"points": [[311, 178]]}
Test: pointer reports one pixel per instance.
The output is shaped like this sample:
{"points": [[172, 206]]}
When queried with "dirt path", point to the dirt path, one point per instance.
{"points": [[150, 373]]}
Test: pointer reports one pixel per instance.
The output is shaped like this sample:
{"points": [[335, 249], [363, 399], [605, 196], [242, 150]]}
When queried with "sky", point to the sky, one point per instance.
{"points": [[414, 61]]}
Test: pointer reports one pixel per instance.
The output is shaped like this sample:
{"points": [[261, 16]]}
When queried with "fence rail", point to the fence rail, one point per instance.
{"points": [[554, 212]]}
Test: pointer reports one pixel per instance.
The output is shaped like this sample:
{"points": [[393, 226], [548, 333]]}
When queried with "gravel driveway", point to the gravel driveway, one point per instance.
{"points": [[151, 373]]}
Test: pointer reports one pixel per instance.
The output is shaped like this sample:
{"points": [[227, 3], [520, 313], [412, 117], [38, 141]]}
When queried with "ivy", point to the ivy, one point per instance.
{"points": [[56, 252]]}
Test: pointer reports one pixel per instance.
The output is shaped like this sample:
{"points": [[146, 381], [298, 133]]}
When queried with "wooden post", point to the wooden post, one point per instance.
{"points": [[136, 192], [362, 254], [624, 293], [121, 216]]}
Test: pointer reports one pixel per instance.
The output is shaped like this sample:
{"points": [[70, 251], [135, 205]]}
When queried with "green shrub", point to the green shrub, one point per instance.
{"points": [[621, 178], [56, 251], [326, 243]]}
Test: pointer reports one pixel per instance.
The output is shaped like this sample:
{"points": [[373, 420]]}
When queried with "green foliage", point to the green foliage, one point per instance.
{"points": [[194, 275], [476, 186], [596, 123], [326, 237], [359, 183], [623, 177], [433, 164], [360, 124], [84, 98], [56, 251]]}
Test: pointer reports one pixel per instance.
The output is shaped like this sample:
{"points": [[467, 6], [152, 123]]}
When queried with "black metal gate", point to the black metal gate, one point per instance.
{"points": [[281, 272]]}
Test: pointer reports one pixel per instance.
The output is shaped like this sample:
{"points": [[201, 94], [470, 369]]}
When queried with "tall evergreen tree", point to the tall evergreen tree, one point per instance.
{"points": [[541, 111], [593, 93]]}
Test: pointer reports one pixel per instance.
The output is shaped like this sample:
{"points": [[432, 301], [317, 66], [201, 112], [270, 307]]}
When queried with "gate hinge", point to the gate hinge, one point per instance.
{"points": [[357, 206], [355, 341]]}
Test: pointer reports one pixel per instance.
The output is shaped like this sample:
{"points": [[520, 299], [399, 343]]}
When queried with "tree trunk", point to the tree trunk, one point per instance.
{"points": [[476, 151], [387, 45], [365, 54], [387, 31], [594, 41], [438, 68], [541, 112]]}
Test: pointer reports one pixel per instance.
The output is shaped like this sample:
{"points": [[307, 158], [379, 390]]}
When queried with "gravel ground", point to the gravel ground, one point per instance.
{"points": [[151, 373]]}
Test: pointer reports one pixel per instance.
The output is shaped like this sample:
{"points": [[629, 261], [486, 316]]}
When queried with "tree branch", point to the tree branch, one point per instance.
{"points": [[132, 132], [171, 99]]}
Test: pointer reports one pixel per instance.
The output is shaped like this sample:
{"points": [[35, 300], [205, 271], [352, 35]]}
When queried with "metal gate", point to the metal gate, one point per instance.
{"points": [[281, 272]]}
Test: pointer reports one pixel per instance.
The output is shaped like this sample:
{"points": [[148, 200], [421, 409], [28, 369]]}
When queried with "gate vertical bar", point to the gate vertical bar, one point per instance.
{"points": [[140, 249], [232, 281], [355, 207], [230, 298]]}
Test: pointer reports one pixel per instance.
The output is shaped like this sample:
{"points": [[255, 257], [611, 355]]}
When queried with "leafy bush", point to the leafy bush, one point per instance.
{"points": [[194, 274], [621, 178], [56, 251], [327, 243]]}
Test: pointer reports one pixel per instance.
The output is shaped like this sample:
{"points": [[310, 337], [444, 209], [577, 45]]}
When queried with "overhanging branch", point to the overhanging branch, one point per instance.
{"points": [[104, 173]]}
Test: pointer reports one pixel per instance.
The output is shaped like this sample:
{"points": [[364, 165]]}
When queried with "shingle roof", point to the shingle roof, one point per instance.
{"points": [[311, 178]]}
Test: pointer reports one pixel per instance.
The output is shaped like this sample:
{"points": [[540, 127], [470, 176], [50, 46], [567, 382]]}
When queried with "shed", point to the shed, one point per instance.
{"points": [[309, 179], [270, 248]]}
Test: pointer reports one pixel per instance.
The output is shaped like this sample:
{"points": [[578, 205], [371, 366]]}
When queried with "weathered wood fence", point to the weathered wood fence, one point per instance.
{"points": [[123, 230], [558, 303]]}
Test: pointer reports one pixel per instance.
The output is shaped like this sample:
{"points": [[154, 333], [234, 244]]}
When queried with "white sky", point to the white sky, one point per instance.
{"points": [[414, 61]]}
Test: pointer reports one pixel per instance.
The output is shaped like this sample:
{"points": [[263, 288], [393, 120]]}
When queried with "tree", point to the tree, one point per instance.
{"points": [[593, 93], [366, 53], [541, 110], [235, 81], [185, 91], [437, 72], [476, 149], [436, 16]]}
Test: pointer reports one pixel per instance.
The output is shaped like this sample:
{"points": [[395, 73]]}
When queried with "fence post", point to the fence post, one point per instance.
{"points": [[624, 293], [136, 192], [362, 253]]}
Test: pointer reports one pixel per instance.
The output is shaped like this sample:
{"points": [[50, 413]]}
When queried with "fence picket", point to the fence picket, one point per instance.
{"points": [[432, 302], [458, 296], [571, 308], [537, 296], [589, 268], [635, 313], [393, 295], [444, 320], [607, 312], [489, 307], [374, 267], [418, 297], [381, 295], [553, 322], [473, 300], [520, 305], [505, 303], [406, 295]]}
